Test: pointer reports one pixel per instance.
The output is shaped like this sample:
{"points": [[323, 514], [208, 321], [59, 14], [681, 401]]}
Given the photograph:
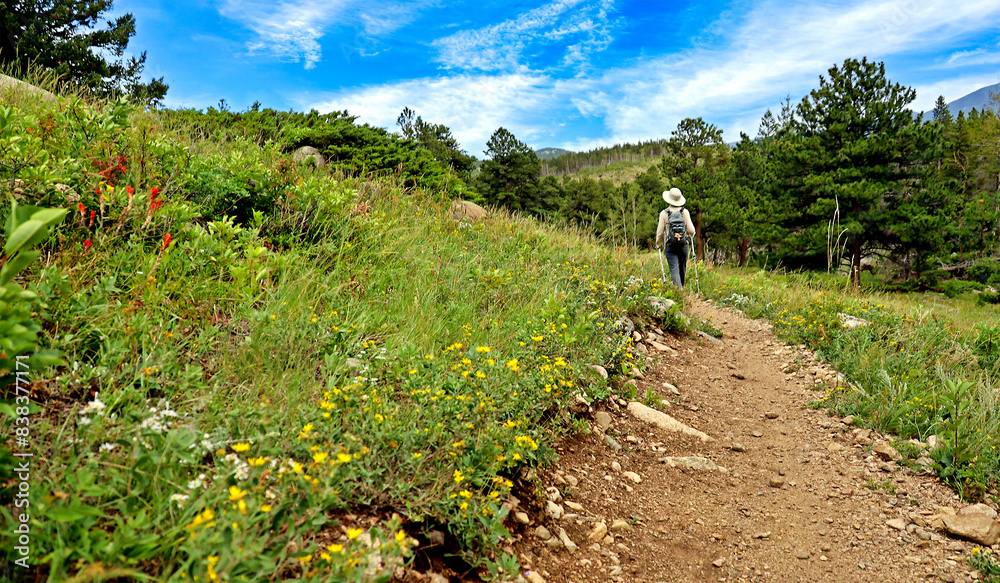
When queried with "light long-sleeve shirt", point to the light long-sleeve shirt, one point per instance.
{"points": [[661, 227]]}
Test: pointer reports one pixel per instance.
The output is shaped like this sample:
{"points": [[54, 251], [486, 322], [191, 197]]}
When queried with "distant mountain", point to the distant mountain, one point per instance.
{"points": [[550, 153], [978, 99]]}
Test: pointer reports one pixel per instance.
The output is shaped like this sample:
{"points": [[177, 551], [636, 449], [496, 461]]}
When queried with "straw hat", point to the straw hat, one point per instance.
{"points": [[674, 197]]}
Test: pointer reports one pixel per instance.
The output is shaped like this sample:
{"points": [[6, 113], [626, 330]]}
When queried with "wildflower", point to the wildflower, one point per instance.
{"points": [[335, 548], [513, 365], [458, 476], [83, 209], [241, 447], [166, 241], [417, 455], [344, 457], [353, 533], [180, 499], [235, 493], [319, 457], [86, 245], [482, 349], [265, 508], [93, 214], [108, 446]]}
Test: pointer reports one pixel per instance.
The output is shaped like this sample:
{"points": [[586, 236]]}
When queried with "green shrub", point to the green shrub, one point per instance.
{"points": [[983, 270], [955, 287]]}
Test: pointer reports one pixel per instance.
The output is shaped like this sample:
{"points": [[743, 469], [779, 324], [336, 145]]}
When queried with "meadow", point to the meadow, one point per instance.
{"points": [[311, 388]]}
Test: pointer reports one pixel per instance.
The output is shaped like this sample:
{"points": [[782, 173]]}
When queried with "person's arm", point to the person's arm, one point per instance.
{"points": [[688, 224], [661, 228]]}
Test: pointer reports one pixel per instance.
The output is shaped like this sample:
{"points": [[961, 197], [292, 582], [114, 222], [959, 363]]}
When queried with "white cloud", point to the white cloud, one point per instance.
{"points": [[472, 106], [756, 58], [291, 30], [501, 47]]}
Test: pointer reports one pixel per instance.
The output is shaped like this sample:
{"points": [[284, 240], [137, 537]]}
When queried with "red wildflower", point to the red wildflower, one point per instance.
{"points": [[83, 209], [155, 192], [129, 190], [92, 215], [166, 241], [86, 245]]}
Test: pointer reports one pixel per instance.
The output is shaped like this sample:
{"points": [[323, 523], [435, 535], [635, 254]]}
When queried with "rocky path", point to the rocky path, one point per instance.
{"points": [[796, 495]]}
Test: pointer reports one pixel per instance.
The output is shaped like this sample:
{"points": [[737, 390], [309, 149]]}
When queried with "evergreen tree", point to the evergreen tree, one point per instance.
{"points": [[438, 140], [848, 168], [66, 37], [510, 175]]}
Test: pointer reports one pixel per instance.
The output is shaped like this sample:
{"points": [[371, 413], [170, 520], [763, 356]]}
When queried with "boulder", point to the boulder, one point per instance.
{"points": [[466, 210], [308, 155], [978, 528], [660, 305]]}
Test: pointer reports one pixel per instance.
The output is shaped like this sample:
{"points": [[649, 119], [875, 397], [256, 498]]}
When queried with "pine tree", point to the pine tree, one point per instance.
{"points": [[510, 176], [67, 37], [848, 168]]}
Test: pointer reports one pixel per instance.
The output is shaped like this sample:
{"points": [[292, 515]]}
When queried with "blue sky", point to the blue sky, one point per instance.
{"points": [[576, 74]]}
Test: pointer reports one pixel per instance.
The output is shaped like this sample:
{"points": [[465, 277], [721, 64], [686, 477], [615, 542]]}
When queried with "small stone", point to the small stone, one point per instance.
{"points": [[599, 532], [568, 542], [633, 476], [897, 523], [762, 534], [620, 524], [978, 509], [803, 556], [719, 562], [776, 482], [616, 466], [757, 433], [834, 447], [673, 390], [600, 370], [885, 451], [849, 420], [603, 420], [771, 415], [521, 518], [554, 510], [975, 527], [615, 571], [573, 506], [614, 445], [542, 533], [738, 447], [533, 577]]}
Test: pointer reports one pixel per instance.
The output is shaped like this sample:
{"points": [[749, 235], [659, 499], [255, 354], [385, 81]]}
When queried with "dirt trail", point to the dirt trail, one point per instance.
{"points": [[803, 498]]}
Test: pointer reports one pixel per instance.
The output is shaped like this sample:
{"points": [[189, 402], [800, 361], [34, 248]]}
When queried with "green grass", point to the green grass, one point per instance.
{"points": [[915, 370], [303, 392]]}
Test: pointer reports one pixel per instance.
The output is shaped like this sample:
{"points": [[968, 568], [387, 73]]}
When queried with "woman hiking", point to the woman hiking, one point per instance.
{"points": [[673, 233]]}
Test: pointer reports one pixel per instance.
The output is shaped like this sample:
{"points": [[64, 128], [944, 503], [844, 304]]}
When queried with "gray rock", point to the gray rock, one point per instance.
{"points": [[693, 463], [803, 556], [310, 155], [738, 447], [633, 476], [610, 441], [664, 421], [979, 509], [467, 210], [710, 338], [603, 419], [554, 510], [624, 325], [543, 533], [975, 527], [897, 523], [660, 305], [603, 372], [521, 517], [885, 451], [573, 506], [673, 390], [566, 541]]}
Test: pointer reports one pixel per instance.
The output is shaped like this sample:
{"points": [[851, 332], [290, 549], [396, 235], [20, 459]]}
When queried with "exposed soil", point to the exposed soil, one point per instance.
{"points": [[803, 497]]}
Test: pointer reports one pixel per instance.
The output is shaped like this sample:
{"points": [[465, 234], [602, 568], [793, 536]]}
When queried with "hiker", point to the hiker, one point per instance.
{"points": [[672, 234]]}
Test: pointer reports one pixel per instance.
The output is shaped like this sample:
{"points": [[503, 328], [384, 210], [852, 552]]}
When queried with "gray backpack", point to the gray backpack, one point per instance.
{"points": [[676, 228]]}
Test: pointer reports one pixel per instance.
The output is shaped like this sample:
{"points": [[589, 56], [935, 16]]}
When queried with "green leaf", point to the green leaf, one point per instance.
{"points": [[71, 513], [49, 216], [24, 235], [15, 265]]}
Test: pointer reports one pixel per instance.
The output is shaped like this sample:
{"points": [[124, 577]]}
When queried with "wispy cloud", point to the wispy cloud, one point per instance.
{"points": [[291, 30], [472, 106], [581, 26], [762, 54]]}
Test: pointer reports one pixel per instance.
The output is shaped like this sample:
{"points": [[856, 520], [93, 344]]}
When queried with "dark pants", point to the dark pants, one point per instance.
{"points": [[677, 258]]}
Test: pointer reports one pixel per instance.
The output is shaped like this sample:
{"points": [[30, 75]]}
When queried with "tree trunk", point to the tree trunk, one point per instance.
{"points": [[856, 263], [744, 248]]}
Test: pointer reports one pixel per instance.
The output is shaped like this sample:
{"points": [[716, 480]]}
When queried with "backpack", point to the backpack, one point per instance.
{"points": [[676, 228]]}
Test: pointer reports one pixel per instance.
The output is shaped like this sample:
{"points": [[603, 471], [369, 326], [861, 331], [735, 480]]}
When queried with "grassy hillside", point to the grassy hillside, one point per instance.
{"points": [[305, 390]]}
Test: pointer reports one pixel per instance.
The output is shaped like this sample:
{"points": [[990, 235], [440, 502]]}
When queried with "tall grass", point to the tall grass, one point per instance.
{"points": [[302, 389]]}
